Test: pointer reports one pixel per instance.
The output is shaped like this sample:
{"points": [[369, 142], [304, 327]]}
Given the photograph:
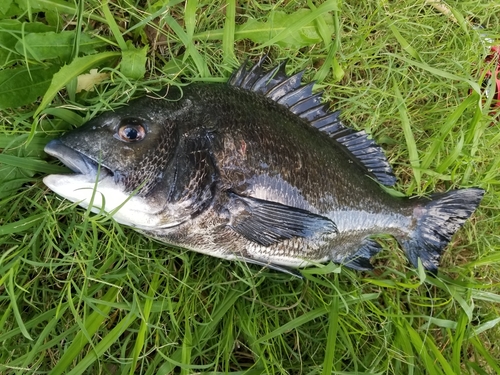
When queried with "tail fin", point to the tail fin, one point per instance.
{"points": [[437, 220]]}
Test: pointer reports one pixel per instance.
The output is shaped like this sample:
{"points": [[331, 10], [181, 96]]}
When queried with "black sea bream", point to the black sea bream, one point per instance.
{"points": [[257, 169]]}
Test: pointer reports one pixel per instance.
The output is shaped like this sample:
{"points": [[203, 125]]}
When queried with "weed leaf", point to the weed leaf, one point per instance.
{"points": [[71, 71], [294, 30], [133, 64], [284, 29], [22, 85], [51, 45], [11, 31], [5, 5]]}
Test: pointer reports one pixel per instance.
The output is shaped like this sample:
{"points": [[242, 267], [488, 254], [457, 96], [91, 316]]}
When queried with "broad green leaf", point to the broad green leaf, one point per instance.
{"points": [[322, 269], [331, 61], [294, 30], [5, 5], [490, 324], [59, 6], [21, 86], [323, 30], [294, 27], [133, 64], [11, 31], [68, 72], [19, 141], [27, 27], [51, 45], [190, 17], [10, 9], [279, 25]]}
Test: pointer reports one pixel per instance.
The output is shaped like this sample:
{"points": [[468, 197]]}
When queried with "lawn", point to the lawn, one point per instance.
{"points": [[80, 294]]}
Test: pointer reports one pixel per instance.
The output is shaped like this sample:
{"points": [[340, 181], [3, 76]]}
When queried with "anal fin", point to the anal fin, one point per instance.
{"points": [[360, 260]]}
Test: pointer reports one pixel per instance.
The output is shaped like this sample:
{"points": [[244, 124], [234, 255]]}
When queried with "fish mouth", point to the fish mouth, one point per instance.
{"points": [[93, 184], [76, 161]]}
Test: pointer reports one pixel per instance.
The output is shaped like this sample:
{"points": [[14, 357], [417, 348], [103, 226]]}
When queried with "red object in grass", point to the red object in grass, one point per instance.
{"points": [[494, 57]]}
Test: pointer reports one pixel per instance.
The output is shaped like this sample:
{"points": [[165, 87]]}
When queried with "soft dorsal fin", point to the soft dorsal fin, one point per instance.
{"points": [[300, 100]]}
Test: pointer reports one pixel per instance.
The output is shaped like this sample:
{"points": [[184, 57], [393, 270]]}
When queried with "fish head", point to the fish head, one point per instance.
{"points": [[120, 161]]}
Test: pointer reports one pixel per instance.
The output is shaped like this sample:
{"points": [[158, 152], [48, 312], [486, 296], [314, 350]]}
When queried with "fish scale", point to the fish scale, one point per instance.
{"points": [[258, 169]]}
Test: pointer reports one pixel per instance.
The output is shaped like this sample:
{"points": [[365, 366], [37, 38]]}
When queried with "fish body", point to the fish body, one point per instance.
{"points": [[257, 169]]}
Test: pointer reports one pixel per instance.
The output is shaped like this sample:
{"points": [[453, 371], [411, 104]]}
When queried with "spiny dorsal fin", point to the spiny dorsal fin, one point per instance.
{"points": [[256, 79], [300, 100]]}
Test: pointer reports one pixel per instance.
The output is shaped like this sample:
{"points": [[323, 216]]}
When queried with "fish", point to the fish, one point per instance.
{"points": [[257, 169]]}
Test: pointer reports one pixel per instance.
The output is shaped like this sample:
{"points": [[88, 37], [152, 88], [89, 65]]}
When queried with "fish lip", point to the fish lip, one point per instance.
{"points": [[75, 160]]}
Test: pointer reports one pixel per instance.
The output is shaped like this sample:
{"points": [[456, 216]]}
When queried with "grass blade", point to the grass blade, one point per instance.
{"points": [[333, 324], [439, 72], [103, 344], [38, 347], [21, 225], [445, 129], [92, 324], [492, 362], [421, 348], [110, 20], [31, 164], [13, 298], [140, 342], [229, 29], [297, 322], [410, 140], [205, 332], [404, 43], [188, 43]]}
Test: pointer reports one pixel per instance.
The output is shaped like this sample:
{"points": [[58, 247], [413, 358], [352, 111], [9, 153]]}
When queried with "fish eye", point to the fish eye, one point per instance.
{"points": [[131, 131]]}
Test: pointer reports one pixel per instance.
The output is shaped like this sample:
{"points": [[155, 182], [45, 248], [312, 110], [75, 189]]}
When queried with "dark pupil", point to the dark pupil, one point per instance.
{"points": [[131, 133]]}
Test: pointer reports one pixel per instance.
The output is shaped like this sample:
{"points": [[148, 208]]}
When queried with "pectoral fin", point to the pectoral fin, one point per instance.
{"points": [[267, 222]]}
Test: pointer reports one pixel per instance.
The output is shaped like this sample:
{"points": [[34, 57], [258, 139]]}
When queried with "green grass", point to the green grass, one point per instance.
{"points": [[81, 295]]}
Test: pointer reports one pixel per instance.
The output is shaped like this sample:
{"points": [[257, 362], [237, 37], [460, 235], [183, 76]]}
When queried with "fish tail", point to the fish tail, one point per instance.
{"points": [[437, 219]]}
